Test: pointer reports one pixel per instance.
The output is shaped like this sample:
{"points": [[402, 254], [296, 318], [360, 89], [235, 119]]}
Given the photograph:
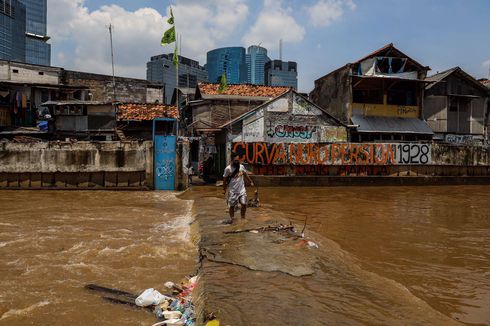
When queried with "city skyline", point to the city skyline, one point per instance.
{"points": [[321, 35]]}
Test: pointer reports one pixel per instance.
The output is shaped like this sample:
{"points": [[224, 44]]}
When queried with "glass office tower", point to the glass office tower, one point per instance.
{"points": [[12, 29], [229, 60], [161, 70], [256, 60], [281, 73], [38, 51]]}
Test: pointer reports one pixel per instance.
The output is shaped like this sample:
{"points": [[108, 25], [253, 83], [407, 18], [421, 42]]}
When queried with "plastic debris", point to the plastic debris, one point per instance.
{"points": [[150, 297], [311, 244], [169, 285], [177, 310], [172, 314]]}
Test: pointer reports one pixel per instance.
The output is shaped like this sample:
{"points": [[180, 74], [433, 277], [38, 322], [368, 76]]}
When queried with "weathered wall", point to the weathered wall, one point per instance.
{"points": [[339, 159], [81, 164], [154, 94], [19, 72], [333, 92], [460, 155], [130, 90]]}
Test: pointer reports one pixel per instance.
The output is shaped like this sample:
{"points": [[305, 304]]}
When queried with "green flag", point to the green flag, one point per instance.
{"points": [[222, 84], [176, 56], [171, 19], [168, 36]]}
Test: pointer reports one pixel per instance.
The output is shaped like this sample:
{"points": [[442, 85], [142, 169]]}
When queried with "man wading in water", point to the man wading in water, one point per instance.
{"points": [[233, 181]]}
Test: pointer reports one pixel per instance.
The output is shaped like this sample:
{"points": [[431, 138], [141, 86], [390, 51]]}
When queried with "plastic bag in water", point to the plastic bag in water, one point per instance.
{"points": [[149, 297]]}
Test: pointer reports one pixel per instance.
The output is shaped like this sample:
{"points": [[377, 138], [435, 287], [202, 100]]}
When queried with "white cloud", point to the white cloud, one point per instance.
{"points": [[325, 12], [80, 38], [273, 23], [205, 24]]}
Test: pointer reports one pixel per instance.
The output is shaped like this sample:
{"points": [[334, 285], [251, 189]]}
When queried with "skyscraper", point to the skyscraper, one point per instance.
{"points": [[256, 59], [231, 61], [281, 73], [160, 70], [12, 29], [23, 31], [38, 51]]}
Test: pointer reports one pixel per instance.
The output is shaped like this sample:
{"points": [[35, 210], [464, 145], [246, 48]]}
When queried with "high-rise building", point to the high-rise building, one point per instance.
{"points": [[23, 31], [256, 59], [231, 61], [281, 73], [12, 29], [38, 51], [161, 70]]}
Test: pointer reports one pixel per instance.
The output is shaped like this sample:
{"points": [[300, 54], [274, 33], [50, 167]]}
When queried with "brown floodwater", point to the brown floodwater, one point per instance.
{"points": [[388, 255], [52, 243]]}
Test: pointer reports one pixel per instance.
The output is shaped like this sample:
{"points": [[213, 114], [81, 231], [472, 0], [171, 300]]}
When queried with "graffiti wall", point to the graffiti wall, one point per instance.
{"points": [[312, 154], [280, 131], [290, 119]]}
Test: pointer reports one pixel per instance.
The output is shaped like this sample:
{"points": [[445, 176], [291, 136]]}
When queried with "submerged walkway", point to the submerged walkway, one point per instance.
{"points": [[272, 278]]}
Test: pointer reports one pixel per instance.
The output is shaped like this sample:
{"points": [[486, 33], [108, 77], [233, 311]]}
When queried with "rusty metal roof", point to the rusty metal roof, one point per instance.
{"points": [[148, 111]]}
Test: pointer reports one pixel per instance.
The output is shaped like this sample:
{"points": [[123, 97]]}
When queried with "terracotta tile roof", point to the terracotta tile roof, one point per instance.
{"points": [[243, 90], [486, 82], [136, 111]]}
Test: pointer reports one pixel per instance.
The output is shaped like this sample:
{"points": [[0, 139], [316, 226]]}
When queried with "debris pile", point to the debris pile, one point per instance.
{"points": [[175, 309]]}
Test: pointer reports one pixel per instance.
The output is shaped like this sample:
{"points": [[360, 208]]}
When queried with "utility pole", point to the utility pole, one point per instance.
{"points": [[112, 60], [280, 49]]}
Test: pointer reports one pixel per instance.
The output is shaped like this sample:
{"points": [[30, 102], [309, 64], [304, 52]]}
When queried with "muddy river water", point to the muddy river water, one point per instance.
{"points": [[387, 255]]}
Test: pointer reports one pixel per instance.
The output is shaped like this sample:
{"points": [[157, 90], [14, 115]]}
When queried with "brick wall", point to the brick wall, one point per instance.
{"points": [[127, 89]]}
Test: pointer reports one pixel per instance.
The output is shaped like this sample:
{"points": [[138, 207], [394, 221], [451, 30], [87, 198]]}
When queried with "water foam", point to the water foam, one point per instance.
{"points": [[24, 311]]}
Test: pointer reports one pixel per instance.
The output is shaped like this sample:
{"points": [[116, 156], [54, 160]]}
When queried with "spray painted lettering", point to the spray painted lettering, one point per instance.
{"points": [[288, 131], [333, 154]]}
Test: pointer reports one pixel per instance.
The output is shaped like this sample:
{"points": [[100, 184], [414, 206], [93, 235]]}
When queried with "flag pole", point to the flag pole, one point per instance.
{"points": [[177, 75]]}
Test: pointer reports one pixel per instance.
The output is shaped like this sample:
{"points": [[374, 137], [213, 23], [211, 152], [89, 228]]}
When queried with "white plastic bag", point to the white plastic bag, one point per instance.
{"points": [[149, 297]]}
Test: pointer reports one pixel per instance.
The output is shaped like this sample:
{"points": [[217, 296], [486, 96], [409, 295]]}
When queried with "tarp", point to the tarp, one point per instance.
{"points": [[391, 125]]}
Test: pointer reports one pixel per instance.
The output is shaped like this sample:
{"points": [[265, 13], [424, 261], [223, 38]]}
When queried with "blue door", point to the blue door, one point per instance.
{"points": [[164, 141]]}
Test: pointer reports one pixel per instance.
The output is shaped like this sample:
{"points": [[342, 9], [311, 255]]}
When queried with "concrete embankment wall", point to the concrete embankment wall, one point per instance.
{"points": [[450, 165], [80, 165]]}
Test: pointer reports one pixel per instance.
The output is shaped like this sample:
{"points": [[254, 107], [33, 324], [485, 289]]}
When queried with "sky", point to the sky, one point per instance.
{"points": [[320, 35]]}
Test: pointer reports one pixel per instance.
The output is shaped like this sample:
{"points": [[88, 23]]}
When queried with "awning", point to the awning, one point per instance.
{"points": [[393, 125]]}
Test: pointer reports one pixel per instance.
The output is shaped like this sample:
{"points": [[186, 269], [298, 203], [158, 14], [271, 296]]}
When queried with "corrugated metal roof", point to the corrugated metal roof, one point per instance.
{"points": [[391, 125]]}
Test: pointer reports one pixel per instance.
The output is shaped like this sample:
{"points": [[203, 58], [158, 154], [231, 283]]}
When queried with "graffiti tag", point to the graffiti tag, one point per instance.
{"points": [[288, 131]]}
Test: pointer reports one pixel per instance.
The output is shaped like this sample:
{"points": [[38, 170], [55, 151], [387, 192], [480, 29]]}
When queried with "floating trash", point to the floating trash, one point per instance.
{"points": [[174, 310]]}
